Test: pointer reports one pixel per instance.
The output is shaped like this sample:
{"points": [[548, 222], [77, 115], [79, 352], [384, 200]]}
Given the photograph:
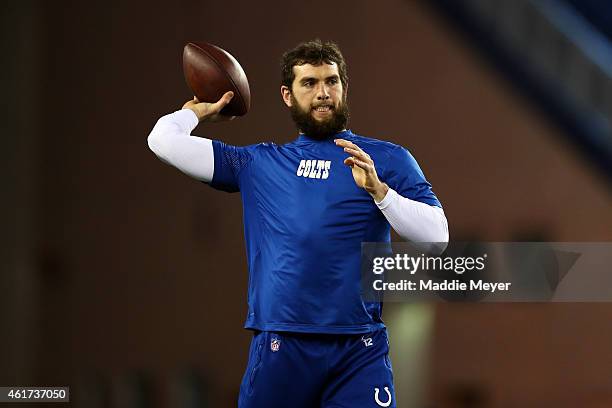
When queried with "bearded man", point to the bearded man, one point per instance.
{"points": [[308, 206]]}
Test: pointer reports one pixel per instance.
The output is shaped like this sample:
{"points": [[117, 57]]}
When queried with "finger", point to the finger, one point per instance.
{"points": [[195, 99], [346, 143], [227, 97], [361, 164], [349, 161], [359, 154], [342, 142], [354, 147], [221, 103]]}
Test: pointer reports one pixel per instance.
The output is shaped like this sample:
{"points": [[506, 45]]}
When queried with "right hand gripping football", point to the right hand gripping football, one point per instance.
{"points": [[210, 112]]}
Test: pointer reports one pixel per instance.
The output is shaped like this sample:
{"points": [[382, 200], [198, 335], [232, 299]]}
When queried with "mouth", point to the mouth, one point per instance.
{"points": [[323, 108]]}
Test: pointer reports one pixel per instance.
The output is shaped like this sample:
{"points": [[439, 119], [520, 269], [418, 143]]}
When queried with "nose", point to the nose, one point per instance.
{"points": [[323, 92]]}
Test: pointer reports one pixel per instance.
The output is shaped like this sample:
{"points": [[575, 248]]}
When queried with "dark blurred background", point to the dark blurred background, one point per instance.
{"points": [[126, 280]]}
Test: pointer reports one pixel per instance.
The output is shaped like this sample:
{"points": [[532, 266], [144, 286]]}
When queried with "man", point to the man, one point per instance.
{"points": [[308, 206]]}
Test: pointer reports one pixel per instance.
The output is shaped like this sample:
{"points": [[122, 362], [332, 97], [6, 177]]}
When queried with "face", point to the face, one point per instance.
{"points": [[317, 100]]}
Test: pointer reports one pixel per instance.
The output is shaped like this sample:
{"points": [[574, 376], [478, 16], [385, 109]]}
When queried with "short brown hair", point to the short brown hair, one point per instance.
{"points": [[313, 52]]}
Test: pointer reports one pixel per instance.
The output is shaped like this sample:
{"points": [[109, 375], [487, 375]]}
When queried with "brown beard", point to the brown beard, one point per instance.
{"points": [[320, 130]]}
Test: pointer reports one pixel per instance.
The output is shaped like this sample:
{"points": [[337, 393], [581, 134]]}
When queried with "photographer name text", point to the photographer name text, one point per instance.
{"points": [[443, 286]]}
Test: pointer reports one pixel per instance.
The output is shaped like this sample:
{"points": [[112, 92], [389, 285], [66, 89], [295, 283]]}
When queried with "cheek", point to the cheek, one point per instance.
{"points": [[303, 101], [337, 94]]}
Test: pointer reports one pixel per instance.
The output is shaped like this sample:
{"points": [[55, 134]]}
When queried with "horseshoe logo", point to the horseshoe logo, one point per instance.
{"points": [[379, 402]]}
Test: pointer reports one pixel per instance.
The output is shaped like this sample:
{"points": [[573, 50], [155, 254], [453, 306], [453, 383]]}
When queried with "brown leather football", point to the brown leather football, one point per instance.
{"points": [[211, 71]]}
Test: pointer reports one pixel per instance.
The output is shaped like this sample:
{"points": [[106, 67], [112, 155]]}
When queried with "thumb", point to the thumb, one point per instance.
{"points": [[225, 99]]}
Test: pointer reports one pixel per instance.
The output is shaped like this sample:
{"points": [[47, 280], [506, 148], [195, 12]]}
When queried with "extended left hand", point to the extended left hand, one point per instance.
{"points": [[363, 170]]}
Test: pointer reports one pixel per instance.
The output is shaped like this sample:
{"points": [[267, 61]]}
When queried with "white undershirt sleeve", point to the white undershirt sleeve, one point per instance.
{"points": [[172, 142], [415, 221]]}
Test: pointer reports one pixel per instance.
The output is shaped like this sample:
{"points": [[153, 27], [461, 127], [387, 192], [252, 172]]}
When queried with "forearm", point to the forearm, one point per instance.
{"points": [[171, 141], [415, 221]]}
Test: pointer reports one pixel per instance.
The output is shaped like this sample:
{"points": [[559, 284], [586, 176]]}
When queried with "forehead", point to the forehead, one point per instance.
{"points": [[316, 71]]}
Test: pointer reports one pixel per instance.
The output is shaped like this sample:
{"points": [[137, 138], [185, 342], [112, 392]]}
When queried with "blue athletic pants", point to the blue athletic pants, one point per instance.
{"points": [[318, 370]]}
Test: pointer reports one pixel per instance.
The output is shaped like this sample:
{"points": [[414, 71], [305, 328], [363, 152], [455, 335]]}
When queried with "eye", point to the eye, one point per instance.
{"points": [[332, 81], [308, 84]]}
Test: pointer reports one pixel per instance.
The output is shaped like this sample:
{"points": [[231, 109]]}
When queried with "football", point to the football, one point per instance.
{"points": [[210, 71]]}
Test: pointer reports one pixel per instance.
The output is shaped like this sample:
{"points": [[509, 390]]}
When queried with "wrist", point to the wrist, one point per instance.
{"points": [[198, 113], [379, 192]]}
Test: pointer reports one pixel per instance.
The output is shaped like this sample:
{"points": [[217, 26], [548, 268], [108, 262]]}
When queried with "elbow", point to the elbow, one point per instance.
{"points": [[440, 241], [437, 248], [437, 245], [433, 239], [154, 143], [156, 140]]}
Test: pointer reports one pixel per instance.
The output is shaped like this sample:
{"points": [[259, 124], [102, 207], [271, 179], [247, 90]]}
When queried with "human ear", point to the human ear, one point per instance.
{"points": [[286, 95]]}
